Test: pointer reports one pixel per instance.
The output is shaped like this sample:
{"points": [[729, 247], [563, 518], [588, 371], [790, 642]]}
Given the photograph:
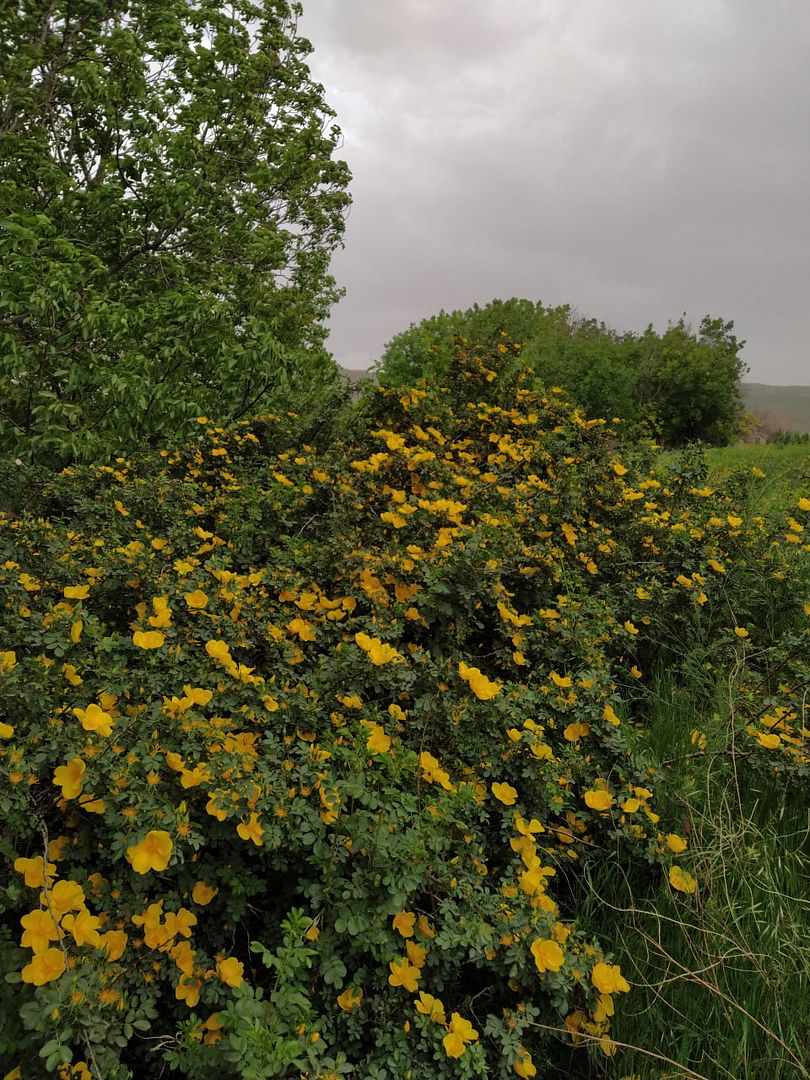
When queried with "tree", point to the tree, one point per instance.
{"points": [[678, 385], [169, 202]]}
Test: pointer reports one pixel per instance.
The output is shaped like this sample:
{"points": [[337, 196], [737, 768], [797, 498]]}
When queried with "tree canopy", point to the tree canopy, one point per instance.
{"points": [[682, 385], [169, 203]]}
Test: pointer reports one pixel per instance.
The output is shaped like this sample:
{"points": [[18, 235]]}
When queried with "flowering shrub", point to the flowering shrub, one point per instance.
{"points": [[303, 747]]}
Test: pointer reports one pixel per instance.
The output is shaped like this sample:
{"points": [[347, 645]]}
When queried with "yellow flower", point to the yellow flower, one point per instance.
{"points": [[72, 675], [424, 927], [769, 740], [350, 999], [403, 923], [431, 1007], [505, 793], [304, 629], [218, 650], [416, 953], [188, 990], [740, 631], [251, 830], [453, 1044], [804, 504], [562, 681], [576, 731], [599, 800], [32, 870], [39, 930], [377, 742], [196, 599], [433, 772], [44, 967], [94, 718], [153, 852], [523, 1064], [231, 971], [681, 880], [630, 628], [480, 685], [609, 715], [203, 894], [548, 956], [378, 652], [65, 896], [197, 696], [148, 639], [114, 941], [675, 843], [76, 592], [460, 1034], [6, 730], [404, 974], [608, 979], [70, 777], [84, 927]]}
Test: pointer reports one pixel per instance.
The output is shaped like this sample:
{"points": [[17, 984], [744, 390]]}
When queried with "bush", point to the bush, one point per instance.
{"points": [[308, 746], [681, 385]]}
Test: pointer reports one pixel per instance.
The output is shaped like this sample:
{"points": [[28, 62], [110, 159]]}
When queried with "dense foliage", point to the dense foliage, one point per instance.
{"points": [[311, 743], [680, 385], [169, 201]]}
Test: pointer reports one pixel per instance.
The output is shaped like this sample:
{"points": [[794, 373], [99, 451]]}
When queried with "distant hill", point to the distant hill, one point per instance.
{"points": [[354, 374], [785, 407]]}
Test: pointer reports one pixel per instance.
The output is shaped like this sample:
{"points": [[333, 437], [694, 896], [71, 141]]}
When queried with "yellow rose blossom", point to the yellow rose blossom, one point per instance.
{"points": [[431, 1007], [681, 880], [599, 800], [94, 718], [76, 592], [378, 742], [148, 639], [350, 999], [70, 777], [403, 923], [39, 930], [548, 956], [84, 927], [114, 942], [378, 652], [608, 979], [231, 971], [152, 853], [523, 1064], [251, 830], [33, 870], [218, 650], [483, 688], [505, 793], [62, 897], [44, 967], [404, 974], [196, 599], [203, 894]]}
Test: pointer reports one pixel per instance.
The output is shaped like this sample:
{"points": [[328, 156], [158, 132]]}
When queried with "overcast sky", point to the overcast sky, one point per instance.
{"points": [[634, 158]]}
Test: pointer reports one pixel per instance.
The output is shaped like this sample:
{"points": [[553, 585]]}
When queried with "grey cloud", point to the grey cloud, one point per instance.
{"points": [[636, 159]]}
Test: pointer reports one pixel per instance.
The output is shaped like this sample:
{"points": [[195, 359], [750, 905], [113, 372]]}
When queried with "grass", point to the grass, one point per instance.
{"points": [[721, 980], [786, 471]]}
